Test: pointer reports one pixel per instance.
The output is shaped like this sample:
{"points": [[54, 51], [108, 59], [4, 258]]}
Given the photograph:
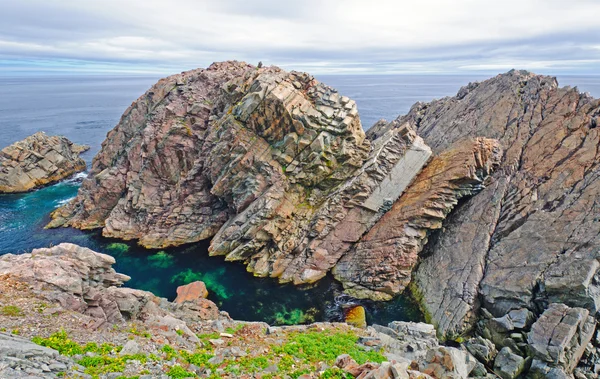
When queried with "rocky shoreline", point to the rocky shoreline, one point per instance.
{"points": [[482, 205]]}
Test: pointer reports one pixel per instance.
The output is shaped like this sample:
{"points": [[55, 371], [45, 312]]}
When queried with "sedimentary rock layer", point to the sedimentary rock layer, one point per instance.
{"points": [[274, 166], [380, 265], [531, 235], [38, 160]]}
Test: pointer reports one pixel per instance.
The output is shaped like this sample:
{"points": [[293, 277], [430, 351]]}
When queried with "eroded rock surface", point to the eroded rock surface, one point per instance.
{"points": [[82, 280], [530, 236], [559, 338], [380, 265], [38, 160], [274, 166]]}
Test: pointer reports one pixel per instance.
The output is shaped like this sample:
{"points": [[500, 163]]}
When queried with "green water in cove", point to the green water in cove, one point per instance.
{"points": [[84, 109]]}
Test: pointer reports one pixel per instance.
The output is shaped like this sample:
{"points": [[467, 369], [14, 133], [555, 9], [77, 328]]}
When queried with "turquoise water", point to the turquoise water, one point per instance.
{"points": [[85, 109]]}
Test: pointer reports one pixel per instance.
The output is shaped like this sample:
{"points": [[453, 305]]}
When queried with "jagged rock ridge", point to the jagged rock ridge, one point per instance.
{"points": [[530, 237], [274, 166]]}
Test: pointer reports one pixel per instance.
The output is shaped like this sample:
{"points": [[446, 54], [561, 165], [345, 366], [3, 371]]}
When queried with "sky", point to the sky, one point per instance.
{"points": [[318, 36]]}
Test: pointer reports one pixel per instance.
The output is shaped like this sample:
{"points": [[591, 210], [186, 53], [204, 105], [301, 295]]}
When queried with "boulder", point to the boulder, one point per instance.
{"points": [[191, 292], [559, 337], [508, 364], [356, 316], [38, 160]]}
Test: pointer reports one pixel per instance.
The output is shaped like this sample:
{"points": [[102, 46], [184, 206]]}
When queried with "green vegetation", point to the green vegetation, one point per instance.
{"points": [[95, 365], [161, 260], [298, 353], [141, 333], [118, 248], [11, 310], [179, 372], [314, 347], [61, 342]]}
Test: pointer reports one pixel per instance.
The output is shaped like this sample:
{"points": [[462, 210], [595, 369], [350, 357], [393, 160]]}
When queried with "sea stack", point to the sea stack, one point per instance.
{"points": [[38, 160]]}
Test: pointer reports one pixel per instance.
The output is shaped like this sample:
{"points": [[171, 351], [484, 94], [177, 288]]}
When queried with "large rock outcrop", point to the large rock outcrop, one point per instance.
{"points": [[531, 236], [273, 166], [82, 280], [38, 160]]}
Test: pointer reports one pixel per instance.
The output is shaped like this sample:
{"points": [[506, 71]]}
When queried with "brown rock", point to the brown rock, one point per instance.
{"points": [[380, 265], [191, 292], [38, 160]]}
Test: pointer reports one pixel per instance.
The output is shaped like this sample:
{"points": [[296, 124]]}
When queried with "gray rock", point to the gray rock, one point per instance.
{"points": [[560, 336], [482, 349], [508, 364], [130, 348]]}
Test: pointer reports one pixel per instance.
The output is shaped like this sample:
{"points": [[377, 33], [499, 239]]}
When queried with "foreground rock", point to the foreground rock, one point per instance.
{"points": [[72, 295], [276, 168], [38, 160], [21, 358], [84, 281]]}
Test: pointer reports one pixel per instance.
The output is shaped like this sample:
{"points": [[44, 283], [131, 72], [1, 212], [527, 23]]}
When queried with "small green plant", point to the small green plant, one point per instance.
{"points": [[179, 332], [16, 332], [11, 310], [169, 351], [178, 372]]}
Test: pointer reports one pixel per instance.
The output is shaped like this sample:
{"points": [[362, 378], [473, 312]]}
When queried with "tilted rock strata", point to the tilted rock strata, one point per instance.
{"points": [[274, 166], [519, 241], [38, 160], [380, 265]]}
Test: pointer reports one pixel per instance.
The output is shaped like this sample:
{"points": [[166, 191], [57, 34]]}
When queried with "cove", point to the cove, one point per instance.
{"points": [[231, 287]]}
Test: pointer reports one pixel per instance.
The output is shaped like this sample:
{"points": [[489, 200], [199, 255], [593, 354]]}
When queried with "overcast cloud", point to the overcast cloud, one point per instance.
{"points": [[320, 36]]}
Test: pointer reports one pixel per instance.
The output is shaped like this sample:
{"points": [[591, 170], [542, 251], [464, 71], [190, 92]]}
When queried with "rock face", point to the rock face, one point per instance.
{"points": [[380, 265], [530, 236], [276, 168], [38, 160], [83, 280]]}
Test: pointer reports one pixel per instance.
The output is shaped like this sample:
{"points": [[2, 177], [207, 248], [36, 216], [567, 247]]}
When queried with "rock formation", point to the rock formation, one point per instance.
{"points": [[484, 203], [276, 168], [529, 237], [379, 266], [82, 280], [38, 160]]}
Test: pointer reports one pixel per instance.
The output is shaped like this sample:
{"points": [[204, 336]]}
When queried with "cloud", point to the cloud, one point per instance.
{"points": [[322, 36]]}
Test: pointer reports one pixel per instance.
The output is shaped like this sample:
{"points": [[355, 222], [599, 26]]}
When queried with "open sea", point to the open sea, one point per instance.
{"points": [[85, 108]]}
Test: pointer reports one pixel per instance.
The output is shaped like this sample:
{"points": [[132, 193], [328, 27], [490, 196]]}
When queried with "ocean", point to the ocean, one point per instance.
{"points": [[85, 108]]}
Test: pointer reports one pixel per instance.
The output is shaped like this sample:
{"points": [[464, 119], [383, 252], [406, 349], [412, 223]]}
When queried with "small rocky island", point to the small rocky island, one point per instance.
{"points": [[38, 160], [482, 206]]}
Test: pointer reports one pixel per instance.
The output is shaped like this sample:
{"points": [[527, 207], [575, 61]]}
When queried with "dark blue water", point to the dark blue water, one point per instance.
{"points": [[85, 108]]}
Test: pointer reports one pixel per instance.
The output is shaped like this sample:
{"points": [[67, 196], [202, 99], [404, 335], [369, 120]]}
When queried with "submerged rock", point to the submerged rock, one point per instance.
{"points": [[356, 316], [38, 160]]}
